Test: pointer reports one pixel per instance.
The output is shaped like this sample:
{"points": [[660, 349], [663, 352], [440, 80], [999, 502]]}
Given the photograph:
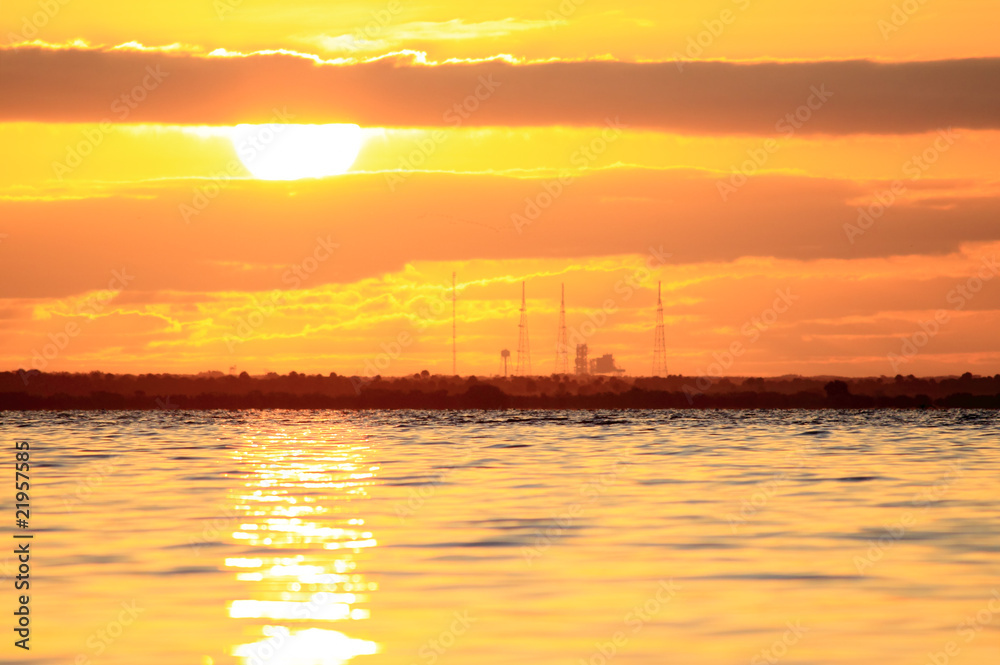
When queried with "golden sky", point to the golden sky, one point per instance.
{"points": [[282, 186]]}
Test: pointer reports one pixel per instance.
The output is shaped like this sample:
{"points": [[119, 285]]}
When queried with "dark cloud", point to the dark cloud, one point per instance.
{"points": [[250, 233], [704, 97]]}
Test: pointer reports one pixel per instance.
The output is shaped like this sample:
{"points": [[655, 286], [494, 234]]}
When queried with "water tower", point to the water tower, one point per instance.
{"points": [[505, 354]]}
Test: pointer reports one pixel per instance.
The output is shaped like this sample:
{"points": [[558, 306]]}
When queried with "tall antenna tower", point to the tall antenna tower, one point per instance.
{"points": [[523, 352], [562, 339], [659, 339], [454, 342]]}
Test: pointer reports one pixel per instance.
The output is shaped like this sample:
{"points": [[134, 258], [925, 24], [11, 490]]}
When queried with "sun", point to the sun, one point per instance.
{"points": [[290, 152]]}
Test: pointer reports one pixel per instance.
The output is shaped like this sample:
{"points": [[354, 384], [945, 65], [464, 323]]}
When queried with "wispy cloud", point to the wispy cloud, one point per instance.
{"points": [[394, 37]]}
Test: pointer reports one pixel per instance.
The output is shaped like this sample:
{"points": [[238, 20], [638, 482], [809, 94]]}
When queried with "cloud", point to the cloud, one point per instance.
{"points": [[393, 37], [846, 316], [858, 96], [448, 217]]}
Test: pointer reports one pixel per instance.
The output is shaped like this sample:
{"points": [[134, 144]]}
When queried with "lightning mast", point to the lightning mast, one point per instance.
{"points": [[523, 352], [659, 338], [454, 342], [562, 339]]}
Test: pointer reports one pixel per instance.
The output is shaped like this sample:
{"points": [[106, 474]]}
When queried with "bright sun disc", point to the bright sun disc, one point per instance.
{"points": [[290, 152]]}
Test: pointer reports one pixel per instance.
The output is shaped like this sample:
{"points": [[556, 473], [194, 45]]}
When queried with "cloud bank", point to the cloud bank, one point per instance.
{"points": [[840, 97]]}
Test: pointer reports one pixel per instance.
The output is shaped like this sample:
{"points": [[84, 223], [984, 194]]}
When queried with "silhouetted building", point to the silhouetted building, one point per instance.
{"points": [[605, 365], [582, 367]]}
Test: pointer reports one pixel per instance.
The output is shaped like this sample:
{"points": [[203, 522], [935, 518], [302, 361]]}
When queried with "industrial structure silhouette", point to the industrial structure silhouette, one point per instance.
{"points": [[523, 347], [659, 338], [562, 339], [583, 364]]}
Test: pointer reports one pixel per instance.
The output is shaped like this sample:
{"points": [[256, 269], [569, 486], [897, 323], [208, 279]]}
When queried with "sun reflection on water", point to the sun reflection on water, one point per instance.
{"points": [[301, 539]]}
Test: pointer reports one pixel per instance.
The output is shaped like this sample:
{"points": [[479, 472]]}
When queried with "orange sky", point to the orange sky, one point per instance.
{"points": [[288, 186]]}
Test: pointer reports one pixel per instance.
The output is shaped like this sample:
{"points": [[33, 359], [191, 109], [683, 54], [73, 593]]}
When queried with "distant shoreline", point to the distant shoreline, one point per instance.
{"points": [[36, 391]]}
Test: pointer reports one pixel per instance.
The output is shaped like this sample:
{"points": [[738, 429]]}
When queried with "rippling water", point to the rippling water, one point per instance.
{"points": [[308, 538]]}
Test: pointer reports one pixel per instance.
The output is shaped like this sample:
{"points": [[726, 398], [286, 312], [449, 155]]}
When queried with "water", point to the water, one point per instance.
{"points": [[308, 538]]}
